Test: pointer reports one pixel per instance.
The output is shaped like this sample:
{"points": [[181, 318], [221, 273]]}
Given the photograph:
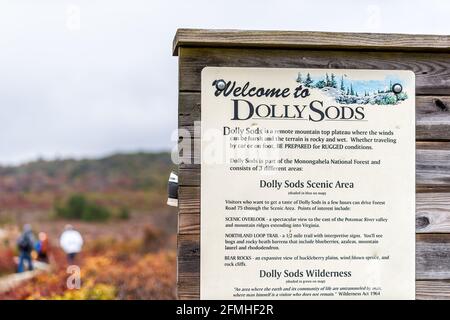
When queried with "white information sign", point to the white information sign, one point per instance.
{"points": [[307, 184]]}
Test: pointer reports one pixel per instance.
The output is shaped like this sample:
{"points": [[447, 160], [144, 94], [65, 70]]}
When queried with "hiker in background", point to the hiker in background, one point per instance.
{"points": [[25, 245], [42, 247], [71, 242]]}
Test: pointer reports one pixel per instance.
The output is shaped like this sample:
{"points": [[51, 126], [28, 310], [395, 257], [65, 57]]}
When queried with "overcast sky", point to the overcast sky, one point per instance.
{"points": [[89, 78]]}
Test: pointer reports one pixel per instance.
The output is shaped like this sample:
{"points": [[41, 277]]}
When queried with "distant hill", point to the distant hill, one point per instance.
{"points": [[136, 171]]}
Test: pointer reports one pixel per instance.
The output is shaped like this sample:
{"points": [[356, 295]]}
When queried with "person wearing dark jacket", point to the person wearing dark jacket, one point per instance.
{"points": [[25, 244]]}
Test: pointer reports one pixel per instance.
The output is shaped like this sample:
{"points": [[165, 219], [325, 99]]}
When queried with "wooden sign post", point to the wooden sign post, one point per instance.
{"points": [[427, 56]]}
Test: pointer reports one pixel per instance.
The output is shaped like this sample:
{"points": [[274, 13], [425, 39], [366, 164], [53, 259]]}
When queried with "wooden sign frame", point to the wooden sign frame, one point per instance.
{"points": [[428, 56]]}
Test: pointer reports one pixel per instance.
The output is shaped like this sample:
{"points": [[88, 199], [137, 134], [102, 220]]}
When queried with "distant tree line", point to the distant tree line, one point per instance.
{"points": [[79, 207]]}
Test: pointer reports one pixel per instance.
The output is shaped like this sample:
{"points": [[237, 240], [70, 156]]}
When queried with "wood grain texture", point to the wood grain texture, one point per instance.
{"points": [[432, 212], [432, 290], [188, 254], [308, 39], [425, 290], [432, 166], [189, 223], [432, 263], [188, 200], [432, 115], [432, 69], [432, 256]]}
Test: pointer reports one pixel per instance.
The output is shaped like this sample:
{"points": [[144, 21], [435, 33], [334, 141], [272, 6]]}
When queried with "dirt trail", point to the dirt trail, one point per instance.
{"points": [[13, 280]]}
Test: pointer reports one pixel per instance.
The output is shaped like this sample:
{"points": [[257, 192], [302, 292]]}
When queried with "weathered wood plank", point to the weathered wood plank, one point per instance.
{"points": [[188, 254], [432, 115], [432, 189], [188, 200], [432, 255], [189, 108], [187, 154], [308, 39], [433, 163], [425, 290], [432, 212], [432, 166], [188, 286], [188, 223], [188, 279], [432, 69], [432, 263], [430, 111], [432, 290], [189, 175]]}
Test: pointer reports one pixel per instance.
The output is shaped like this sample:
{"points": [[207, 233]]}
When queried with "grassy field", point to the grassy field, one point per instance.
{"points": [[130, 254]]}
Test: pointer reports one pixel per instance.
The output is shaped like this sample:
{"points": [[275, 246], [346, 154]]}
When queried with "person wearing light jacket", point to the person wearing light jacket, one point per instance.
{"points": [[71, 242]]}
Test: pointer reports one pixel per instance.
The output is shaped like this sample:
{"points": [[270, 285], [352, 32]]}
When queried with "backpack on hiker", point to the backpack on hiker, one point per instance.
{"points": [[25, 244]]}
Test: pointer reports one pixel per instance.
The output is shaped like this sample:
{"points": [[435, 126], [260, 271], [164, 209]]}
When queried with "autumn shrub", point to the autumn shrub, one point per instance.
{"points": [[149, 277], [95, 212], [7, 264], [101, 245], [89, 291], [124, 214], [153, 239], [126, 250], [42, 286], [73, 208], [110, 269]]}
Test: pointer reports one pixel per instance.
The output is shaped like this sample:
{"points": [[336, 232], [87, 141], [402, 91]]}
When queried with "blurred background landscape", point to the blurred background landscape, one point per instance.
{"points": [[118, 204]]}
